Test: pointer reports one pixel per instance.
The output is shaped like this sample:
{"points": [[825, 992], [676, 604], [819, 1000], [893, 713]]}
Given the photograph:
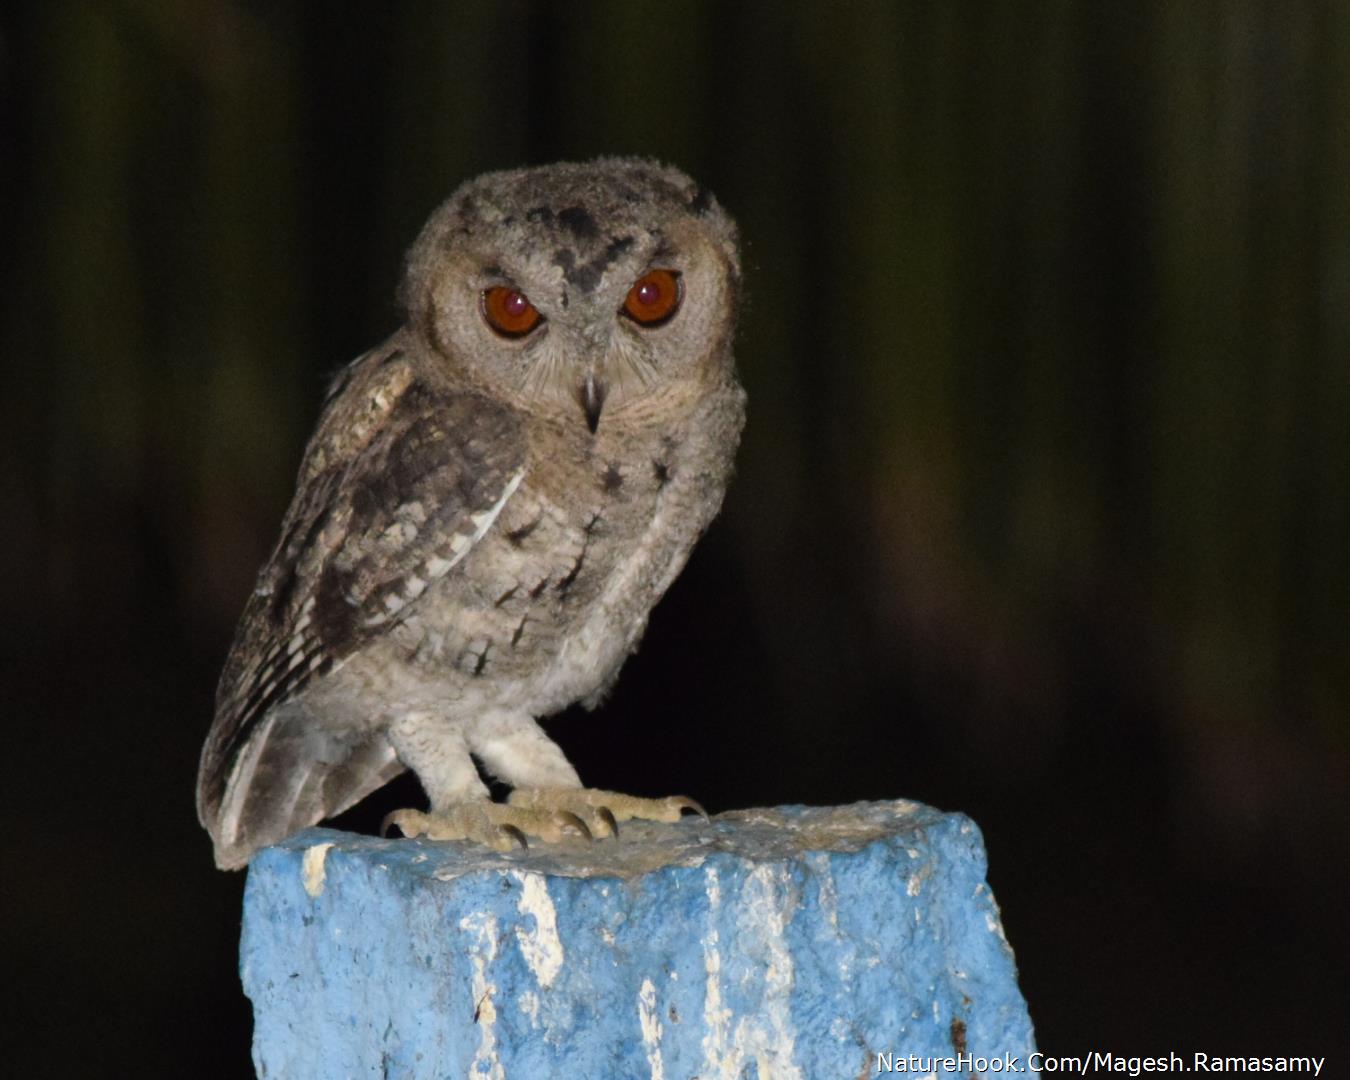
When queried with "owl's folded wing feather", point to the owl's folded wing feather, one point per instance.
{"points": [[399, 482]]}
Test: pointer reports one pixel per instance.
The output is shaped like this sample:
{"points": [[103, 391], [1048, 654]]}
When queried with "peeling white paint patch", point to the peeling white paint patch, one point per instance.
{"points": [[914, 885], [995, 927], [766, 1036], [771, 1036], [829, 892], [483, 927], [541, 947], [829, 904], [716, 1018], [651, 1029], [312, 868], [529, 1005]]}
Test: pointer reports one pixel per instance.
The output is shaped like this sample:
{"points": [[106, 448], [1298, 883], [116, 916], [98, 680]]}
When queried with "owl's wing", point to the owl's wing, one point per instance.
{"points": [[399, 482]]}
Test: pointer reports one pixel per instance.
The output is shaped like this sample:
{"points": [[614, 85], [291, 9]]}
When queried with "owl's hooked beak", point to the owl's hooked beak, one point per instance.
{"points": [[591, 396]]}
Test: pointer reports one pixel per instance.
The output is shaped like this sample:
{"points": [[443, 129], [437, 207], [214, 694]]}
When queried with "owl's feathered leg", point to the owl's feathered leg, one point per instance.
{"points": [[461, 808], [548, 802], [517, 750]]}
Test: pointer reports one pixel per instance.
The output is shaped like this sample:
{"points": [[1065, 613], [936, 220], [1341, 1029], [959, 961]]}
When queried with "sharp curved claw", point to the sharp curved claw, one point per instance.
{"points": [[605, 814], [394, 819], [686, 803], [516, 835], [569, 820]]}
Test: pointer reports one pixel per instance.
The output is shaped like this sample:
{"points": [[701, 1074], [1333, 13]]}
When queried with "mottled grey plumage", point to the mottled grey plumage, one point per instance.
{"points": [[464, 553]]}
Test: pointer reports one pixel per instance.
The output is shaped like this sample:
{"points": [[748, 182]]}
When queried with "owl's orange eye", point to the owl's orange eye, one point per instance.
{"points": [[654, 297], [509, 311]]}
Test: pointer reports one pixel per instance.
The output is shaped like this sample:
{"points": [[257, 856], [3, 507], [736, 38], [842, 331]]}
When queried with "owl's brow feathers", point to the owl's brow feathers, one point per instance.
{"points": [[587, 275], [579, 234]]}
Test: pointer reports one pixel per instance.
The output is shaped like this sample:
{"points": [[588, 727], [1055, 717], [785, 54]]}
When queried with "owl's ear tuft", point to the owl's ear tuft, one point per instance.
{"points": [[416, 292], [701, 202]]}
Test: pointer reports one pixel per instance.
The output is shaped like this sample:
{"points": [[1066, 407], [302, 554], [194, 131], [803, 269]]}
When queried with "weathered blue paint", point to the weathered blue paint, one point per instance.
{"points": [[788, 943]]}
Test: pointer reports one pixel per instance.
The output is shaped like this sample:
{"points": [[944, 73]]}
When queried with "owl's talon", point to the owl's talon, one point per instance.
{"points": [[683, 802], [603, 810], [555, 815], [408, 822], [568, 820]]}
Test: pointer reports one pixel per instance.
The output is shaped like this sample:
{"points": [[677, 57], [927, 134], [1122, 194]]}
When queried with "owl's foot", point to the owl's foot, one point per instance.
{"points": [[493, 825], [603, 810], [549, 814]]}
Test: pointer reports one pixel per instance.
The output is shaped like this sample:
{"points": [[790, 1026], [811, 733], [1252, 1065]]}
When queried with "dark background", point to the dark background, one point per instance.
{"points": [[1043, 510]]}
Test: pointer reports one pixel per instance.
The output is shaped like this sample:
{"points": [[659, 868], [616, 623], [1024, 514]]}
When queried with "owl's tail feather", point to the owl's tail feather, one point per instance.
{"points": [[293, 773]]}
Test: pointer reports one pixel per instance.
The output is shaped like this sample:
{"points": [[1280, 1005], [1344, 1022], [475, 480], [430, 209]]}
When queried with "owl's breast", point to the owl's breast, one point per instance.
{"points": [[574, 572], [555, 596]]}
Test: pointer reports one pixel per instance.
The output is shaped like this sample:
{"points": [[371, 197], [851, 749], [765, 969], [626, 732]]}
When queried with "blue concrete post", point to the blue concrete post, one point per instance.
{"points": [[788, 943]]}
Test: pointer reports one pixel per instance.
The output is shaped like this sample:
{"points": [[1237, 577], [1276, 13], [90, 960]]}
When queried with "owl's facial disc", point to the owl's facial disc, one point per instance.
{"points": [[511, 315], [582, 292], [651, 302]]}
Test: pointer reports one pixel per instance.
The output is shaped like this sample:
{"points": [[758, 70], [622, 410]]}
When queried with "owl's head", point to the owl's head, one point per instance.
{"points": [[579, 289]]}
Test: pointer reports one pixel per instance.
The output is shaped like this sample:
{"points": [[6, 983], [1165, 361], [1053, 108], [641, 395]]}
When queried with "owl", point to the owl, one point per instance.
{"points": [[490, 506]]}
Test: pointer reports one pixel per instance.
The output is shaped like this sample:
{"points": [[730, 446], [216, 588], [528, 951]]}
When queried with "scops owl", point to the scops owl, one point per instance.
{"points": [[491, 504]]}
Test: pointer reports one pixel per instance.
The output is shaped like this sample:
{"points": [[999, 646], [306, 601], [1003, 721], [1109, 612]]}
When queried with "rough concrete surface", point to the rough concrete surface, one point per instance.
{"points": [[794, 942]]}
